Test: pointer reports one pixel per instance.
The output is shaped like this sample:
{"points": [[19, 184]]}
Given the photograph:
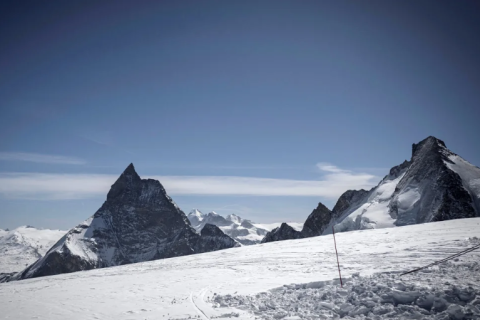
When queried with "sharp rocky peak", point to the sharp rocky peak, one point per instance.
{"points": [[430, 144], [126, 183], [129, 187]]}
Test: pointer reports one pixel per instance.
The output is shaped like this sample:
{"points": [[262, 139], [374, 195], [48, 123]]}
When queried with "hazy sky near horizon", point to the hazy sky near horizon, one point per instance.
{"points": [[259, 108]]}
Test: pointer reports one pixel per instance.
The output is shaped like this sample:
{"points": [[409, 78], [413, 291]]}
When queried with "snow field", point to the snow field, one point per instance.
{"points": [[450, 291], [187, 287]]}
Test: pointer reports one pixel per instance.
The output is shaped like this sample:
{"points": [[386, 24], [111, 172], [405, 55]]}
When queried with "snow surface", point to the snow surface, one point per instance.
{"points": [[23, 246], [470, 175], [196, 213], [289, 279], [374, 213]]}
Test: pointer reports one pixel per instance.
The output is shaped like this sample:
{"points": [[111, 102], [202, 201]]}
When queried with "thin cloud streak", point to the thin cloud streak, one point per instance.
{"points": [[46, 186], [41, 186], [40, 158], [325, 166]]}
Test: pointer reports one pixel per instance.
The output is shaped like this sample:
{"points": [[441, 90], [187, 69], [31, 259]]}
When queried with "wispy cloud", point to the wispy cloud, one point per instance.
{"points": [[46, 186], [40, 158], [79, 186], [324, 166], [331, 186]]}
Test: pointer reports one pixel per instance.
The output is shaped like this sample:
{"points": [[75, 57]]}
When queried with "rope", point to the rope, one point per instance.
{"points": [[445, 259]]}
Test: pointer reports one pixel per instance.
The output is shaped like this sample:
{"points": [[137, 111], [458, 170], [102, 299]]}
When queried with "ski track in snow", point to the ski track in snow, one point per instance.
{"points": [[200, 312], [211, 285]]}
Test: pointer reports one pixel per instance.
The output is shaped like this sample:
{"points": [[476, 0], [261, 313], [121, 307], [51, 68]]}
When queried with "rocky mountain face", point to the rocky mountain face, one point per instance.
{"points": [[435, 185], [317, 221], [431, 189], [214, 239], [241, 230], [284, 232], [138, 222]]}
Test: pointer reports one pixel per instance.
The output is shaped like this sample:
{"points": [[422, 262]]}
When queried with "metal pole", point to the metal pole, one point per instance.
{"points": [[336, 252]]}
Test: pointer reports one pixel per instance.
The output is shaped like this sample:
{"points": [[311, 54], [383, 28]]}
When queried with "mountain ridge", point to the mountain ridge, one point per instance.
{"points": [[435, 185]]}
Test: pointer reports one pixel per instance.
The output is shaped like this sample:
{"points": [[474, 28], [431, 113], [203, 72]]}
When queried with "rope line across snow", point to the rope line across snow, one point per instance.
{"points": [[443, 260]]}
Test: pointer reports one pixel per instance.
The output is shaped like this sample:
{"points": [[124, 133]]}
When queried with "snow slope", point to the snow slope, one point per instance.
{"points": [[470, 175], [290, 279], [24, 245], [373, 213]]}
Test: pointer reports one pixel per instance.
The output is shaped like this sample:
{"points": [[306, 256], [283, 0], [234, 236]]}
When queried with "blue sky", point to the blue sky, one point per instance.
{"points": [[259, 108]]}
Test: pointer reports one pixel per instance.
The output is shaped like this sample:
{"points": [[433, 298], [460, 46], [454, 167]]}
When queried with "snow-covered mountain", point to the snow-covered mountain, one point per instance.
{"points": [[24, 245], [279, 280], [242, 230], [435, 185], [138, 222]]}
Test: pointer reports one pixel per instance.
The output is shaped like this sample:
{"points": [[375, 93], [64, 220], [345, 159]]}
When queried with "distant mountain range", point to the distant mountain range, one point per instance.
{"points": [[435, 185], [242, 230], [23, 246]]}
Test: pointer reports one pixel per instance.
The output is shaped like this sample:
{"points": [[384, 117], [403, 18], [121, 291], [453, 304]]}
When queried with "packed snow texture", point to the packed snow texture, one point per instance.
{"points": [[212, 285], [449, 291], [23, 246]]}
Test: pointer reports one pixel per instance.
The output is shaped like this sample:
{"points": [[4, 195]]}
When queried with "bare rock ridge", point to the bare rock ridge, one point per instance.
{"points": [[137, 222], [284, 232], [435, 185], [440, 191], [317, 221]]}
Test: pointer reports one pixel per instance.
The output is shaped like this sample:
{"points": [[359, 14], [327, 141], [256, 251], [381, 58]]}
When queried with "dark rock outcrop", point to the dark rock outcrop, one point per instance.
{"points": [[443, 196], [214, 239], [317, 221], [284, 232]]}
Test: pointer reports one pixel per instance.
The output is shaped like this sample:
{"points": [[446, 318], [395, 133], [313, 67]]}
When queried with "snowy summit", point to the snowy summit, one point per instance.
{"points": [[242, 230]]}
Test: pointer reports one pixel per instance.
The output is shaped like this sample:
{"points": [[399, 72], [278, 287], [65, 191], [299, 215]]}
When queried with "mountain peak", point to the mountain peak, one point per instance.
{"points": [[127, 181], [428, 144], [196, 213], [130, 169]]}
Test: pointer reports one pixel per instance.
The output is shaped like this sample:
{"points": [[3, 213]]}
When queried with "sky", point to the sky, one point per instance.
{"points": [[258, 108]]}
